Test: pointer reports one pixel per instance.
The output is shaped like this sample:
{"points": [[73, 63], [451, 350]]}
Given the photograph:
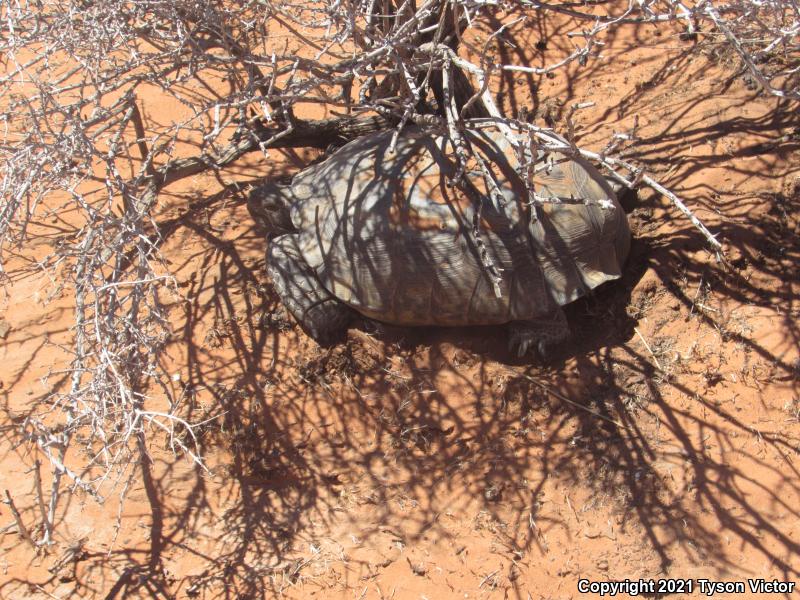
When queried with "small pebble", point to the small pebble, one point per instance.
{"points": [[492, 494]]}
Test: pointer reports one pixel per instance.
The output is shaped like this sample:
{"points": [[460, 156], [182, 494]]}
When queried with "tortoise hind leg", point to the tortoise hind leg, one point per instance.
{"points": [[543, 333], [320, 314]]}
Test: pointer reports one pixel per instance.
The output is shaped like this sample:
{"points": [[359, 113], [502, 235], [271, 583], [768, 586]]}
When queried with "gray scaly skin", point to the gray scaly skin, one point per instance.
{"points": [[322, 316], [385, 235]]}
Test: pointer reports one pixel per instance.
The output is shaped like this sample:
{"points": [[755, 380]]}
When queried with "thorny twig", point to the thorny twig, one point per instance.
{"points": [[21, 529]]}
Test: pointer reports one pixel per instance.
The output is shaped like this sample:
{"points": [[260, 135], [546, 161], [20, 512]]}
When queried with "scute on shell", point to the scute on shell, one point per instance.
{"points": [[388, 235]]}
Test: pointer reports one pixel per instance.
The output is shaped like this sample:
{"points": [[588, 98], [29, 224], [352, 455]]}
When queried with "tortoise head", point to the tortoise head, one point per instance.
{"points": [[269, 206]]}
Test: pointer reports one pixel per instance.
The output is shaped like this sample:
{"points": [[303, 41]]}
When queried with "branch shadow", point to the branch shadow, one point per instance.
{"points": [[313, 439], [383, 435]]}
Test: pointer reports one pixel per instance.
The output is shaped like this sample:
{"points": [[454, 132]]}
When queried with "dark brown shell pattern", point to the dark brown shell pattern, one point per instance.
{"points": [[388, 235]]}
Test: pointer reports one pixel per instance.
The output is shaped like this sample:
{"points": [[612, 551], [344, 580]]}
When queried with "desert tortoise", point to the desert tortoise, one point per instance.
{"points": [[385, 234]]}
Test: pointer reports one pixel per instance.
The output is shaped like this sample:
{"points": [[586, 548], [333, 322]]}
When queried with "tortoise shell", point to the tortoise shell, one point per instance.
{"points": [[387, 234]]}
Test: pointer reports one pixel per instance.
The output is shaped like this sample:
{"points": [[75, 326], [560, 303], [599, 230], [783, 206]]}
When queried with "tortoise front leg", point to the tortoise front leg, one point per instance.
{"points": [[320, 314], [543, 333]]}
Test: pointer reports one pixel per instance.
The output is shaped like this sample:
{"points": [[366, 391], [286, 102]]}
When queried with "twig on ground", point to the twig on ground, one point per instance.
{"points": [[563, 398], [646, 345], [21, 529], [37, 484]]}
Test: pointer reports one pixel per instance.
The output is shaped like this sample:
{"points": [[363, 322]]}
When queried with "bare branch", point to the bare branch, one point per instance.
{"points": [[21, 529], [76, 134]]}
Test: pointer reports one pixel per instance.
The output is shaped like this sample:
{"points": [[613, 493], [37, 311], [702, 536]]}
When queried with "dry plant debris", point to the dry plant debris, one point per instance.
{"points": [[88, 164]]}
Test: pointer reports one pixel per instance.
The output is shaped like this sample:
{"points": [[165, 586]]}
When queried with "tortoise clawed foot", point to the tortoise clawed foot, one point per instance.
{"points": [[372, 326], [327, 322], [544, 334], [520, 341], [545, 349], [320, 314]]}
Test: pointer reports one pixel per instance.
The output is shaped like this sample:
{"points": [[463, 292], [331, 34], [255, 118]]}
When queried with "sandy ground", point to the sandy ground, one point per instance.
{"points": [[661, 443]]}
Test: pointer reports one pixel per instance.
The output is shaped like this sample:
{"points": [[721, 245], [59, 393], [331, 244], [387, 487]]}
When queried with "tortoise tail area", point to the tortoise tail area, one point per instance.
{"points": [[582, 237], [578, 233]]}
